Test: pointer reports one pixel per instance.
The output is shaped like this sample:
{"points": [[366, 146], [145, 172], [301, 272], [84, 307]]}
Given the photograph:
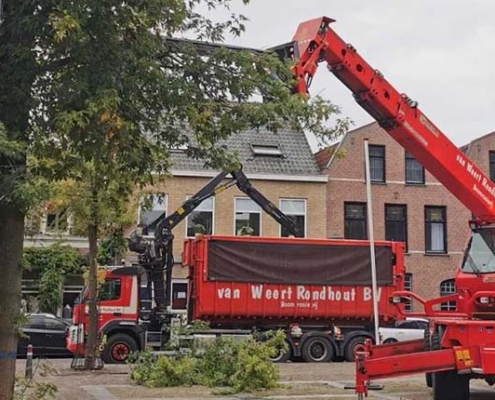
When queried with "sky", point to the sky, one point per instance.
{"points": [[441, 53]]}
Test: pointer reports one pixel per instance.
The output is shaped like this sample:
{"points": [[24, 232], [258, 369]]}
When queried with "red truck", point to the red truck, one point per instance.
{"points": [[317, 290]]}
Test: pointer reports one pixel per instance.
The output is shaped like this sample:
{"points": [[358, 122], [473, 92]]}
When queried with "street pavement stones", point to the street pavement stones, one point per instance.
{"points": [[300, 381]]}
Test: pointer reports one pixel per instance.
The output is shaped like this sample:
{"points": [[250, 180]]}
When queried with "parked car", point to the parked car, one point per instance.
{"points": [[410, 329], [46, 333]]}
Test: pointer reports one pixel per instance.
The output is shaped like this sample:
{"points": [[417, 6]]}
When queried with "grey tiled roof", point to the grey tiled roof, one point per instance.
{"points": [[297, 159]]}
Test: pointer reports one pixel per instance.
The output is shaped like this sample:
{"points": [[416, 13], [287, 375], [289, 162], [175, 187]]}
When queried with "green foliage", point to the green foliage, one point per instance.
{"points": [[33, 390], [53, 263], [241, 365], [112, 249]]}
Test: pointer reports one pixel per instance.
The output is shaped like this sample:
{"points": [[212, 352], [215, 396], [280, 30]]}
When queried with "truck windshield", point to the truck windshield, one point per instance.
{"points": [[479, 257]]}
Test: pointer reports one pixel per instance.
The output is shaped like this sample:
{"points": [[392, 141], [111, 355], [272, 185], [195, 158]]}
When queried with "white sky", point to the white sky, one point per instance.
{"points": [[440, 52]]}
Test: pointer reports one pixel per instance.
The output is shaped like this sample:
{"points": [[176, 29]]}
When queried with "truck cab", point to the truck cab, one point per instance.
{"points": [[121, 305]]}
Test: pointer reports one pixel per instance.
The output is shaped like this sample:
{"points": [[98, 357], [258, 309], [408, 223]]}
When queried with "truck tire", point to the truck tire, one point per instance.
{"points": [[352, 347], [449, 385], [118, 348], [317, 349], [427, 339]]}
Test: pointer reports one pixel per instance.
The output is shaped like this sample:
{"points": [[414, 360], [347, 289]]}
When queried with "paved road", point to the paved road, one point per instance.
{"points": [[300, 381]]}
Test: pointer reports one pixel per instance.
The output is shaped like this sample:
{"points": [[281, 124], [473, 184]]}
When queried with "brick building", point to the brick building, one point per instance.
{"points": [[281, 166], [408, 204]]}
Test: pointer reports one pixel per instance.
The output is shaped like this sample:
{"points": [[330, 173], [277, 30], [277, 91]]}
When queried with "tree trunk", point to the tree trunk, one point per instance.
{"points": [[92, 355], [11, 244]]}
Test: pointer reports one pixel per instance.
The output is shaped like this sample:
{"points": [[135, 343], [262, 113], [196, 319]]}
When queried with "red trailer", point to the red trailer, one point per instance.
{"points": [[319, 286]]}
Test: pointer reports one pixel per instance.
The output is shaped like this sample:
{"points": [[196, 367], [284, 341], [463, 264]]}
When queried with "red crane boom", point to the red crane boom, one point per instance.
{"points": [[315, 42]]}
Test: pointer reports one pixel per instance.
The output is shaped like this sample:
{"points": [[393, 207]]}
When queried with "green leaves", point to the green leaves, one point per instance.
{"points": [[244, 366], [53, 263]]}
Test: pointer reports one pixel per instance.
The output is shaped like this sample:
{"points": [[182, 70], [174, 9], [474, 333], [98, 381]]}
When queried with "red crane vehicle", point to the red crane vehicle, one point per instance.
{"points": [[459, 345], [244, 286]]}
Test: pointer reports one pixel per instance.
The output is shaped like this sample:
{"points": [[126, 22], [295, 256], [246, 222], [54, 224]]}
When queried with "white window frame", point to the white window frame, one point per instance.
{"points": [[305, 201], [141, 205], [235, 213], [198, 208], [46, 231]]}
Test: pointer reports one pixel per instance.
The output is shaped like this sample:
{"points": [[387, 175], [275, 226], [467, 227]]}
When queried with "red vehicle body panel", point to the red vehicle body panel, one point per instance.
{"points": [[245, 301]]}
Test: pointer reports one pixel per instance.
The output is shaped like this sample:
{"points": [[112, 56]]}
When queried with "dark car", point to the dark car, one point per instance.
{"points": [[47, 334]]}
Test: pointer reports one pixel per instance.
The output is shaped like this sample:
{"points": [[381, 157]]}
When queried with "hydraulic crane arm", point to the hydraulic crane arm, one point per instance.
{"points": [[315, 42], [245, 186], [157, 257]]}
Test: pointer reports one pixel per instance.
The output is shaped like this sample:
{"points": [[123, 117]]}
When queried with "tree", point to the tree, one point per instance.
{"points": [[106, 97], [18, 71]]}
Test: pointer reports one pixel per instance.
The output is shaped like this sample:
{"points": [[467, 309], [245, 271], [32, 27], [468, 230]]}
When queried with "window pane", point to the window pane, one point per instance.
{"points": [[251, 220], [110, 290], [395, 223], [158, 208], [408, 285], [293, 206], [57, 222], [246, 205], [447, 287], [435, 229], [206, 205], [355, 211], [377, 163], [296, 210], [54, 325], [355, 226], [36, 322], [199, 221], [415, 172]]}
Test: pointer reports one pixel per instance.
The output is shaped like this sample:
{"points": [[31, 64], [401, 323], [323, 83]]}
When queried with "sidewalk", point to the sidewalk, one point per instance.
{"points": [[301, 381]]}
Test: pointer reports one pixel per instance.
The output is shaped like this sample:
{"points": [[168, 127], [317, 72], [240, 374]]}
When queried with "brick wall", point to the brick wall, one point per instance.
{"points": [[347, 183]]}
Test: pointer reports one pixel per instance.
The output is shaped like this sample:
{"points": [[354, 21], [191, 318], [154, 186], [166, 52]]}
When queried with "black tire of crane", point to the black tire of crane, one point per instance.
{"points": [[447, 385], [427, 339]]}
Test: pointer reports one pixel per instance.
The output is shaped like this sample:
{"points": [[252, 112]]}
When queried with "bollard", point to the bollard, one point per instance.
{"points": [[29, 363]]}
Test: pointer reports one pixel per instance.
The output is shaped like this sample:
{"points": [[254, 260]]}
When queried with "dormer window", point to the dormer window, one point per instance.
{"points": [[266, 150]]}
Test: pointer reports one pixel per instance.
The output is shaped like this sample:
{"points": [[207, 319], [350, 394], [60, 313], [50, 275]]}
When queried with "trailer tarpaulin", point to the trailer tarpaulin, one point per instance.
{"points": [[292, 263]]}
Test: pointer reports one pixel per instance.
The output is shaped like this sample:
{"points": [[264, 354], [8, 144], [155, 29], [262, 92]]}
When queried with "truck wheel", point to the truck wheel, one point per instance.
{"points": [[449, 385], [118, 348], [427, 339], [353, 346], [317, 349], [390, 341]]}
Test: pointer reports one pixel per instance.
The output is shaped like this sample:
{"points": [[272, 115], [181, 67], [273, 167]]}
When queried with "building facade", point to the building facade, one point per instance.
{"points": [[409, 205], [281, 166]]}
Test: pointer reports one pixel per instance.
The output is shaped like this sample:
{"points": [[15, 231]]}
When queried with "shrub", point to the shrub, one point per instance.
{"points": [[241, 365]]}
